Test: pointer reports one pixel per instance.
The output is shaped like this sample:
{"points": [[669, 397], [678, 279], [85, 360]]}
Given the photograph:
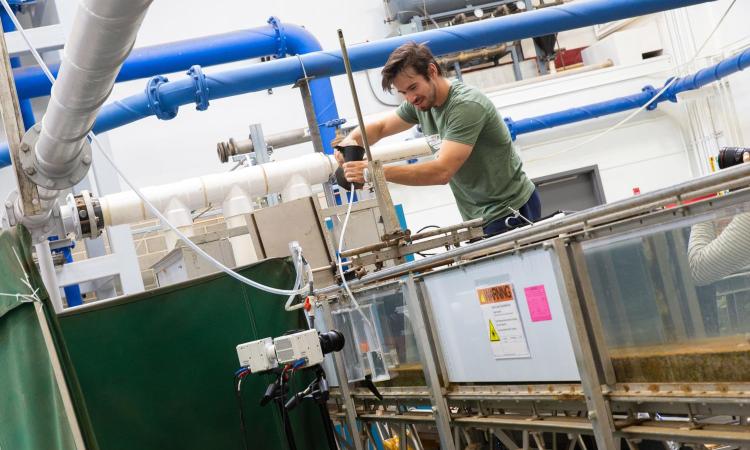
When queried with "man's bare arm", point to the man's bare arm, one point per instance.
{"points": [[439, 171]]}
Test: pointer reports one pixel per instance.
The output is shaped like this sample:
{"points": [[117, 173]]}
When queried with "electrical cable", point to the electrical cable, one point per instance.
{"points": [[297, 289], [238, 377], [666, 87]]}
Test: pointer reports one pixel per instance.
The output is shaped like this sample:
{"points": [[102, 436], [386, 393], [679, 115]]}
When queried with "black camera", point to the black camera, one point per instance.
{"points": [[731, 156]]}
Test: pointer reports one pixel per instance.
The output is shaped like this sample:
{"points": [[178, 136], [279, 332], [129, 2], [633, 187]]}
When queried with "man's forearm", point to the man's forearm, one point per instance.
{"points": [[374, 133], [423, 174]]}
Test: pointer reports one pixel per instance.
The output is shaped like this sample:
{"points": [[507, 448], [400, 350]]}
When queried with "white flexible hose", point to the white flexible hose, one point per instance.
{"points": [[341, 267], [297, 261]]}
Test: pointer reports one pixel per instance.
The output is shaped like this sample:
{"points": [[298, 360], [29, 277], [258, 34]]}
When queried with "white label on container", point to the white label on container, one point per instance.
{"points": [[504, 328]]}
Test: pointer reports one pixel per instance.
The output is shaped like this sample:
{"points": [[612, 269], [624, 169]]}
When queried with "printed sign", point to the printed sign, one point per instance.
{"points": [[536, 299], [505, 330]]}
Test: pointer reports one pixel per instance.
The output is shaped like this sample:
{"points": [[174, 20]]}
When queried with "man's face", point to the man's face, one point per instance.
{"points": [[418, 90]]}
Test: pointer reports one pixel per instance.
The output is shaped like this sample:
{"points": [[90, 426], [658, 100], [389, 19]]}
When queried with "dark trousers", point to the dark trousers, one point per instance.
{"points": [[531, 210]]}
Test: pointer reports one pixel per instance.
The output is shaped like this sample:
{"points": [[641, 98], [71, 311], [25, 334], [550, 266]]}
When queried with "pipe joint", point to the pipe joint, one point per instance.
{"points": [[52, 176], [201, 87], [651, 92], [511, 127], [281, 47], [670, 94], [161, 111]]}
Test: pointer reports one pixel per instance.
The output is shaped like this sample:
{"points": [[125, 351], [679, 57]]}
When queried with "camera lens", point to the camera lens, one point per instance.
{"points": [[731, 156], [331, 341]]}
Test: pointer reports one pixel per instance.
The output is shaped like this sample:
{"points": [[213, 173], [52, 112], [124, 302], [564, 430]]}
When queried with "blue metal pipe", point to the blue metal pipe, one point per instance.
{"points": [[173, 57], [374, 54], [276, 38], [695, 81], [27, 112]]}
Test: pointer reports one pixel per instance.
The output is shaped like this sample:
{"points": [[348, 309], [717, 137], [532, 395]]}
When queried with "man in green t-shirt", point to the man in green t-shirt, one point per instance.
{"points": [[475, 152]]}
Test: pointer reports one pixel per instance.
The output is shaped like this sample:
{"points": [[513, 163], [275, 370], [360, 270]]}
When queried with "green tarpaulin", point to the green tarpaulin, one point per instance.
{"points": [[32, 416]]}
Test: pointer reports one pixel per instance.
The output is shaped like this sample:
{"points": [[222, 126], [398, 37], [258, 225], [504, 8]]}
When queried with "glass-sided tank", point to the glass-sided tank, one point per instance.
{"points": [[674, 300], [379, 337]]}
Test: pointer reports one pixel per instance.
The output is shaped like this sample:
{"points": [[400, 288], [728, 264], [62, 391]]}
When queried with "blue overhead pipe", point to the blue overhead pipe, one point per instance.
{"points": [[173, 57], [703, 77], [27, 112], [276, 38], [369, 55]]}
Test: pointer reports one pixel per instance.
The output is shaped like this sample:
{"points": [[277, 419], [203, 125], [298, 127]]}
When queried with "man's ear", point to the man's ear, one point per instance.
{"points": [[432, 70]]}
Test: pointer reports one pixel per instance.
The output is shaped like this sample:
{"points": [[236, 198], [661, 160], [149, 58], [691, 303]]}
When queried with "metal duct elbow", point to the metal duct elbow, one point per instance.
{"points": [[102, 36]]}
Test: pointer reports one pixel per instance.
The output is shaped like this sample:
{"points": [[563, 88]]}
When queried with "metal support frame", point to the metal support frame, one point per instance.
{"points": [[312, 124], [440, 410], [14, 132], [338, 361], [261, 155], [599, 412], [516, 55]]}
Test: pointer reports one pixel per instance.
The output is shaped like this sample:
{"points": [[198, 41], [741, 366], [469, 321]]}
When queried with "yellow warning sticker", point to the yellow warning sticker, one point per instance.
{"points": [[494, 337]]}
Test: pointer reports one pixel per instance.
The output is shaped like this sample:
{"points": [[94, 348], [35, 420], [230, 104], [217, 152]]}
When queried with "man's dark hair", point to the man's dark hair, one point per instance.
{"points": [[409, 55]]}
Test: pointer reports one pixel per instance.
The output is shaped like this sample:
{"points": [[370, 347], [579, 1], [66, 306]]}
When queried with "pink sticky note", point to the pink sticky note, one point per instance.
{"points": [[536, 298]]}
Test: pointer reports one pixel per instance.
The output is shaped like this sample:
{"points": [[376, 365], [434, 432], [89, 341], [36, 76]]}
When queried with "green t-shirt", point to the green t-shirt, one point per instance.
{"points": [[492, 178]]}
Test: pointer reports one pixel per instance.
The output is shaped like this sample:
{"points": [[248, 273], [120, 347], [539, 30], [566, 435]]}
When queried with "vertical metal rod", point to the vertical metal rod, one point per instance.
{"points": [[348, 67], [338, 360], [598, 407], [439, 404]]}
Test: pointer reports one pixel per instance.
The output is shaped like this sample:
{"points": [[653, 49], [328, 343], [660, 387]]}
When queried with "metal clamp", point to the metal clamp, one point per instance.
{"points": [[201, 87], [281, 50], [154, 101]]}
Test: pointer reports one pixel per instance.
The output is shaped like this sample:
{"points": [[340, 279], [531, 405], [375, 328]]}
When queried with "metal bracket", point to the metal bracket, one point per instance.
{"points": [[201, 87], [275, 22], [154, 101], [30, 164]]}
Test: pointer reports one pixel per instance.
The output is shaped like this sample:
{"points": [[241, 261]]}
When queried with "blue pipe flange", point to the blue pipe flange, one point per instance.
{"points": [[511, 127], [651, 91], [671, 93], [154, 102], [281, 50], [201, 87], [334, 123]]}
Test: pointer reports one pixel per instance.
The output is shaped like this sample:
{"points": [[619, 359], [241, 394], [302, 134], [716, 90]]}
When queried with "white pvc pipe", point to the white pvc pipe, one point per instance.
{"points": [[101, 37], [235, 190]]}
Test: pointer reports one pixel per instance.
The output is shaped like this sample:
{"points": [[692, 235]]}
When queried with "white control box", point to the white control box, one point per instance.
{"points": [[266, 354], [258, 356], [304, 345]]}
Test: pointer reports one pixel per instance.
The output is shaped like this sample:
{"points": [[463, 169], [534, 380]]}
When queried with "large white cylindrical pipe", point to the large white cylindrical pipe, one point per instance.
{"points": [[102, 36], [292, 177], [197, 193]]}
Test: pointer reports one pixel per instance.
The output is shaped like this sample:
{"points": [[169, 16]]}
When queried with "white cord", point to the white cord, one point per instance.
{"points": [[649, 103], [294, 292]]}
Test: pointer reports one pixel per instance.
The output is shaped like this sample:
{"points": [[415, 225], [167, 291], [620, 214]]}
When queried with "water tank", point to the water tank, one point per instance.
{"points": [[404, 10]]}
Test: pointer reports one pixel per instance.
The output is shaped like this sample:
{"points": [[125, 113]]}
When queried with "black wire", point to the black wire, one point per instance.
{"points": [[426, 227], [238, 394]]}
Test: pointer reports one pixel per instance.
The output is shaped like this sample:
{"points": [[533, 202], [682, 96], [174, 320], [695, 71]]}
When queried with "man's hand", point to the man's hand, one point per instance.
{"points": [[347, 141], [354, 171]]}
